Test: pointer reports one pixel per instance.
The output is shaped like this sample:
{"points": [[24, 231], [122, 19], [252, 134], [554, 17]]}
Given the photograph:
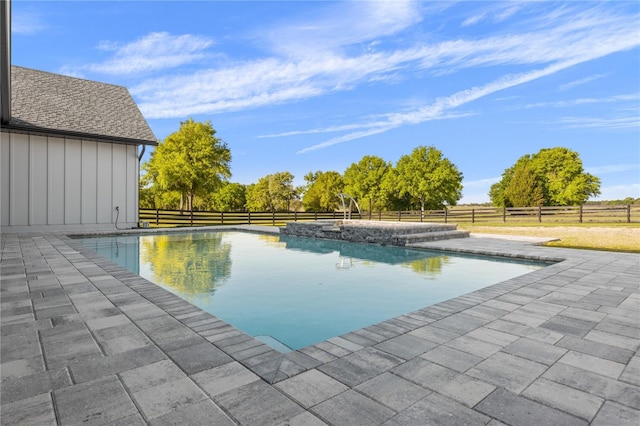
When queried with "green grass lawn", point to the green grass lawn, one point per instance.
{"points": [[623, 237]]}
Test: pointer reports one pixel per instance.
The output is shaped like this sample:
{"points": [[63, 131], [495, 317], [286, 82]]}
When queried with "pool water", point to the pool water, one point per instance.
{"points": [[291, 292]]}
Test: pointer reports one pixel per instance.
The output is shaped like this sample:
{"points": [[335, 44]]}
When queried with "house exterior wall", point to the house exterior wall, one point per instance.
{"points": [[58, 184]]}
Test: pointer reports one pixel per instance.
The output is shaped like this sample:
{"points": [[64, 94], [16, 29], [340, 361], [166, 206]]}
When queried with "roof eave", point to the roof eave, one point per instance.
{"points": [[32, 130]]}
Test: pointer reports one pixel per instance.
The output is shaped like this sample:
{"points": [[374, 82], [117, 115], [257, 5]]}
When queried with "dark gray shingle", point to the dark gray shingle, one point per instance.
{"points": [[47, 101]]}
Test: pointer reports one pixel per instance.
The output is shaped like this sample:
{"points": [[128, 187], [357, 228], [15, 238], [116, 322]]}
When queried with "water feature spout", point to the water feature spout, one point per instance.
{"points": [[351, 202]]}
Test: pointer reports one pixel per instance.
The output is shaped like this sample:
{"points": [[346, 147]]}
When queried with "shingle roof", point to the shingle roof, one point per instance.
{"points": [[43, 101]]}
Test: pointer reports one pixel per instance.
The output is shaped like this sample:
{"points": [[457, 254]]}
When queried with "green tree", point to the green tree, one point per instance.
{"points": [[392, 199], [427, 178], [153, 197], [230, 197], [322, 191], [559, 173], [524, 189], [191, 161], [364, 181], [272, 192]]}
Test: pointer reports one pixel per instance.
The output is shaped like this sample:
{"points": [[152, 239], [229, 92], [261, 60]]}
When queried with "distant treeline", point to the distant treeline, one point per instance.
{"points": [[626, 201]]}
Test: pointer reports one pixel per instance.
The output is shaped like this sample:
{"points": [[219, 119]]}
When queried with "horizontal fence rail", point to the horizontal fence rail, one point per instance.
{"points": [[170, 218], [566, 214]]}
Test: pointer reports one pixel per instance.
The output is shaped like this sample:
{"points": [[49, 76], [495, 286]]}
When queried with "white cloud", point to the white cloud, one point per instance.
{"points": [[441, 105], [154, 51], [27, 23], [477, 191], [335, 65], [472, 20], [619, 192], [616, 168], [625, 115], [583, 101], [581, 81], [377, 121], [344, 24], [497, 13], [508, 12], [630, 121]]}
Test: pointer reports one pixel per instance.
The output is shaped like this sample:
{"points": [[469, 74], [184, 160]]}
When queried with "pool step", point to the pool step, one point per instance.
{"points": [[407, 230], [407, 239]]}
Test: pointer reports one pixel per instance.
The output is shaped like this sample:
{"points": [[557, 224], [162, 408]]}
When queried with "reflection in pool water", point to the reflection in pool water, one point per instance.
{"points": [[297, 291]]}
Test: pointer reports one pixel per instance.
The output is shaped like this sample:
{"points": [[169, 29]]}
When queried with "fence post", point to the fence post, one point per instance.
{"points": [[380, 215], [249, 216], [580, 213], [221, 218], [445, 215], [157, 217], [504, 214], [539, 214], [191, 218], [273, 218], [334, 214], [399, 215], [315, 215], [628, 213], [295, 216], [473, 215]]}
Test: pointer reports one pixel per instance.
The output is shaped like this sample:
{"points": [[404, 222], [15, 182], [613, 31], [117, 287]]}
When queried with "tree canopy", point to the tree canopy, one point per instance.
{"points": [[189, 162], [272, 192], [364, 181], [230, 197], [322, 191], [426, 177], [551, 177]]}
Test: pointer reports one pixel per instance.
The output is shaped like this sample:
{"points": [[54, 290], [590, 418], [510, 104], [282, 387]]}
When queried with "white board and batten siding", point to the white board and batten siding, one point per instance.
{"points": [[51, 184]]}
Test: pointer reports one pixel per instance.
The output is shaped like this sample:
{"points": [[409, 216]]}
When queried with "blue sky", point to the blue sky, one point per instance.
{"points": [[305, 86]]}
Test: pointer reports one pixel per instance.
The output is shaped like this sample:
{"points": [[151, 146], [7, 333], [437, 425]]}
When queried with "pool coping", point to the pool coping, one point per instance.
{"points": [[518, 303]]}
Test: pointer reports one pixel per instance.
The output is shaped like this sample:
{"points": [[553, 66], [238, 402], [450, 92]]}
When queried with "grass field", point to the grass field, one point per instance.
{"points": [[612, 237]]}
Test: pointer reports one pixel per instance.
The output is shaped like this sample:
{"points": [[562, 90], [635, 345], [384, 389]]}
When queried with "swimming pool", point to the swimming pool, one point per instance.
{"points": [[291, 292]]}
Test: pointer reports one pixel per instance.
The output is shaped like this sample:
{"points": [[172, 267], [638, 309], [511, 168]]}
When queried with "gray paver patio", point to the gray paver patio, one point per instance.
{"points": [[84, 341]]}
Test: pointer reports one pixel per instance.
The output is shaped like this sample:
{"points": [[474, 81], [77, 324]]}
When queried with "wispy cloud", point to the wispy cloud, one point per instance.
{"points": [[472, 20], [345, 24], [352, 44], [155, 51], [629, 121], [27, 23], [373, 122], [442, 105], [495, 14], [580, 82], [615, 168], [585, 101], [293, 76]]}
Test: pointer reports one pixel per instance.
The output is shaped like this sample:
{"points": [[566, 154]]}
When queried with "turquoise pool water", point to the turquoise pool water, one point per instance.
{"points": [[291, 292]]}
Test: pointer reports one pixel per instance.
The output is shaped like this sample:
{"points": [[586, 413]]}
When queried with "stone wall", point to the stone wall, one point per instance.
{"points": [[360, 231]]}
